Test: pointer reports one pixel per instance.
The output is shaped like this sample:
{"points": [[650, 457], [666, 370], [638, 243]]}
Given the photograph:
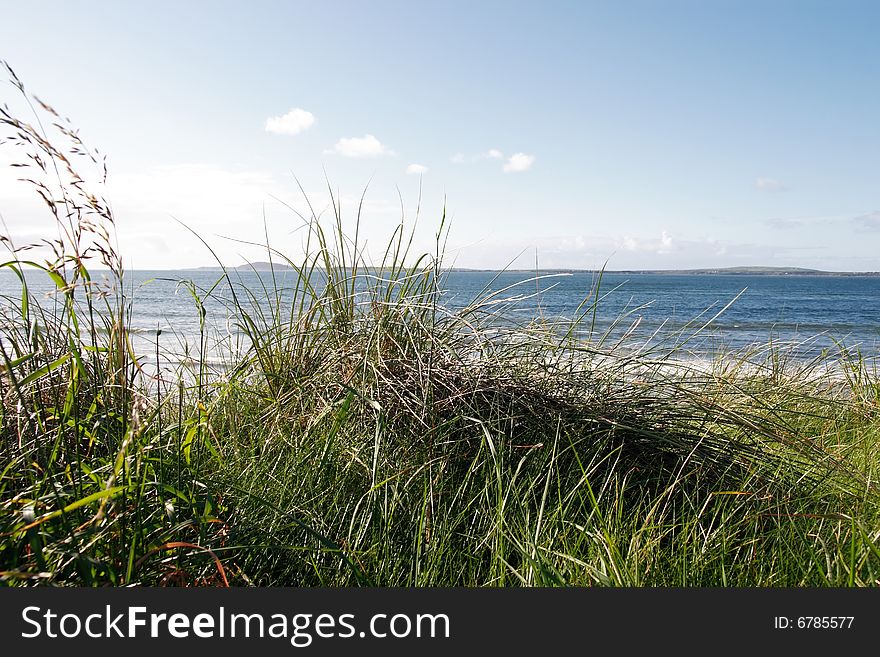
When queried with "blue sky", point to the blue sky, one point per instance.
{"points": [[644, 134]]}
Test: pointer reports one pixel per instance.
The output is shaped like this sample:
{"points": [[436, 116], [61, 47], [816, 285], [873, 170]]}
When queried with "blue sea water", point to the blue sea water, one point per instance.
{"points": [[707, 313], [715, 312]]}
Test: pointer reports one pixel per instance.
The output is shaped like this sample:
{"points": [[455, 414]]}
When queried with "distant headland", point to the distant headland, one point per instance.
{"points": [[262, 266], [755, 271], [720, 271]]}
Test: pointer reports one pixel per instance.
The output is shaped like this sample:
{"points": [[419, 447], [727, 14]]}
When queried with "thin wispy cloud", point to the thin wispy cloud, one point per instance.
{"points": [[292, 123], [785, 223], [811, 222], [518, 162], [769, 185], [458, 158], [416, 169], [361, 147], [870, 221]]}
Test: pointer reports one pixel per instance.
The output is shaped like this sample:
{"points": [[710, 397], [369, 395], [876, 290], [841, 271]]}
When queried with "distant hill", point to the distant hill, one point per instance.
{"points": [[263, 266]]}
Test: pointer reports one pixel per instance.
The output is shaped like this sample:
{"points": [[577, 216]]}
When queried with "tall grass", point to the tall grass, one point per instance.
{"points": [[366, 434]]}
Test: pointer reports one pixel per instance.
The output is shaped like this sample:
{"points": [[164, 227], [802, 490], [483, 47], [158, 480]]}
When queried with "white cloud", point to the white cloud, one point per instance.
{"points": [[292, 123], [25, 217], [214, 201], [518, 162], [366, 146], [649, 244], [209, 199], [11, 185], [416, 169], [634, 251], [769, 184], [491, 154]]}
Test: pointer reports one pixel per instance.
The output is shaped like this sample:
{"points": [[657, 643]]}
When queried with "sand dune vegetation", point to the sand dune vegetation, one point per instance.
{"points": [[369, 435]]}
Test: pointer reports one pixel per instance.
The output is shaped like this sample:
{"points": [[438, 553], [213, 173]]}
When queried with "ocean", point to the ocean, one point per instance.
{"points": [[698, 315]]}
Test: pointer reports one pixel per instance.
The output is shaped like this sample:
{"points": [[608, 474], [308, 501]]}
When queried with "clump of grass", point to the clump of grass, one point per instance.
{"points": [[367, 434], [85, 480]]}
